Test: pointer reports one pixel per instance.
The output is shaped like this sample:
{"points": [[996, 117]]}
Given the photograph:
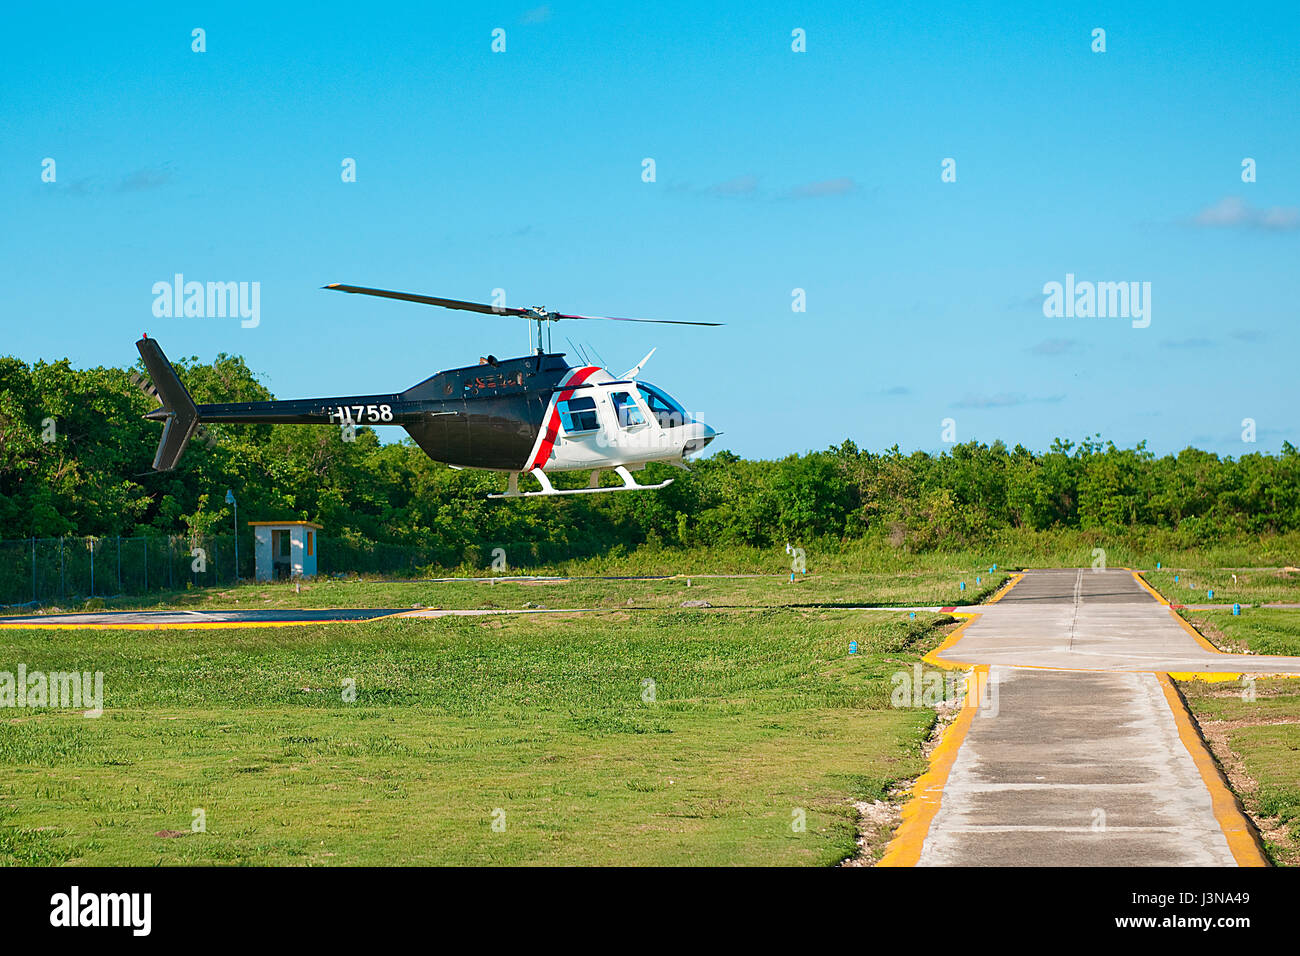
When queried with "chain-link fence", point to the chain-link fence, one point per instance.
{"points": [[48, 570], [53, 570]]}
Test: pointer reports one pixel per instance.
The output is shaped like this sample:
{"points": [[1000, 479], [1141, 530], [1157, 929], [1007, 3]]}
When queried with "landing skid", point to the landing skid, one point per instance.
{"points": [[593, 487]]}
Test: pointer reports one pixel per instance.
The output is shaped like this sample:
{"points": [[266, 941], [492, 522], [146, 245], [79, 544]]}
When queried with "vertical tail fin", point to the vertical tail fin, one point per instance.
{"points": [[178, 413]]}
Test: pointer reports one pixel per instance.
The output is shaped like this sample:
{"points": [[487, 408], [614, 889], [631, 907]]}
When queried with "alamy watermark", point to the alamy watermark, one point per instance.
{"points": [[931, 688], [211, 300], [1098, 300], [72, 690], [128, 910]]}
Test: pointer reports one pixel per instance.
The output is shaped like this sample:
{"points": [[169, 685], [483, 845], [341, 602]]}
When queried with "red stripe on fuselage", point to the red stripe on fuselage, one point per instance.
{"points": [[553, 423]]}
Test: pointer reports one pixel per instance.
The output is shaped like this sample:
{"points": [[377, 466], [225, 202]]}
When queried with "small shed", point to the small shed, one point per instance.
{"points": [[285, 549]]}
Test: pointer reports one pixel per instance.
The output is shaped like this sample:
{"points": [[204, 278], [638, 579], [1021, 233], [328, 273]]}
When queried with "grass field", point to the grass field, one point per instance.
{"points": [[1007, 548], [1257, 742], [1254, 729], [1252, 585], [641, 733], [1255, 631], [757, 718]]}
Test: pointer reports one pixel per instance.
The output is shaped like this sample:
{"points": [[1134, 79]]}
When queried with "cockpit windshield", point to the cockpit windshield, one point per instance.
{"points": [[662, 406]]}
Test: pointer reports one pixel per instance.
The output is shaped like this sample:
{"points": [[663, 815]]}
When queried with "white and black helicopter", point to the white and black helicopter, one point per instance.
{"points": [[529, 415]]}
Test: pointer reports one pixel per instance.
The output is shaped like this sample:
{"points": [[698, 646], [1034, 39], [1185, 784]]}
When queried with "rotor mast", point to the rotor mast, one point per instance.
{"points": [[540, 314]]}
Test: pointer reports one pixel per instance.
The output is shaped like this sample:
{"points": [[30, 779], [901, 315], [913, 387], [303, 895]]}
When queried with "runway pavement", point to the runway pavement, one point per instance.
{"points": [[186, 620], [197, 620], [1080, 751]]}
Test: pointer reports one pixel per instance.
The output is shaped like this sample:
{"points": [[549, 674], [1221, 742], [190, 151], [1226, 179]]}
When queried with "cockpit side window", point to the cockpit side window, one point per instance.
{"points": [[667, 411], [579, 415], [626, 410]]}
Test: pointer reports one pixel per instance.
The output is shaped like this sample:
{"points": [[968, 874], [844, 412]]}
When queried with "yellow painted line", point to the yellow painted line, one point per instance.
{"points": [[1137, 576], [1227, 811], [1186, 626], [187, 626], [1196, 635], [1209, 676], [177, 626], [971, 617], [927, 793], [950, 640], [1002, 592]]}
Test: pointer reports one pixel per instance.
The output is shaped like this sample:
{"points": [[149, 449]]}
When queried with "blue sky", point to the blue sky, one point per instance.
{"points": [[775, 170]]}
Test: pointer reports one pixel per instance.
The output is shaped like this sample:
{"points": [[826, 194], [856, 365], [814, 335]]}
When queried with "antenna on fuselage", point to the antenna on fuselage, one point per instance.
{"points": [[582, 350]]}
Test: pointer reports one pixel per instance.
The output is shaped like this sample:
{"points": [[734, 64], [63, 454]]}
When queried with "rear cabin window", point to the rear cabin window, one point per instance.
{"points": [[578, 415]]}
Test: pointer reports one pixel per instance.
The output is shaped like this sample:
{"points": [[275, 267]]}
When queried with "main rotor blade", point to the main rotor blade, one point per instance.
{"points": [[429, 300], [612, 318], [495, 309]]}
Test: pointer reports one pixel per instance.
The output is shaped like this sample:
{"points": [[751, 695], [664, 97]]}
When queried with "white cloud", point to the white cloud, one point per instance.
{"points": [[740, 186], [827, 187], [1234, 212], [1005, 400]]}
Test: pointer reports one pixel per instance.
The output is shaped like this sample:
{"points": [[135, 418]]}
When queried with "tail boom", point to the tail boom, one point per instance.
{"points": [[181, 417]]}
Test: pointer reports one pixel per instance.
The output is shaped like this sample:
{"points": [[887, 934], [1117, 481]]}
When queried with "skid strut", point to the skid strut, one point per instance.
{"points": [[593, 485]]}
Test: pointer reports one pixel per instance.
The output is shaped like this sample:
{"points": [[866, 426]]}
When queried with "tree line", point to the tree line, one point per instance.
{"points": [[75, 457]]}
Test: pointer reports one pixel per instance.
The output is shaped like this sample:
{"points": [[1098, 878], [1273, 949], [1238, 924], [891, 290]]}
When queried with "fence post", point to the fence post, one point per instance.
{"points": [[90, 543], [63, 590], [119, 564], [33, 570], [145, 542]]}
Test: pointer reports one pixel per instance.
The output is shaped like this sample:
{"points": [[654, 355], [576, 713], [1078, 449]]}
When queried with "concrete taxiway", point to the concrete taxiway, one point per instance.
{"points": [[1078, 749], [1094, 620]]}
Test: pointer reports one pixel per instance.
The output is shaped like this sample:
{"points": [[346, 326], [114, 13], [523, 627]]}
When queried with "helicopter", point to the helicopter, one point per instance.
{"points": [[529, 415]]}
